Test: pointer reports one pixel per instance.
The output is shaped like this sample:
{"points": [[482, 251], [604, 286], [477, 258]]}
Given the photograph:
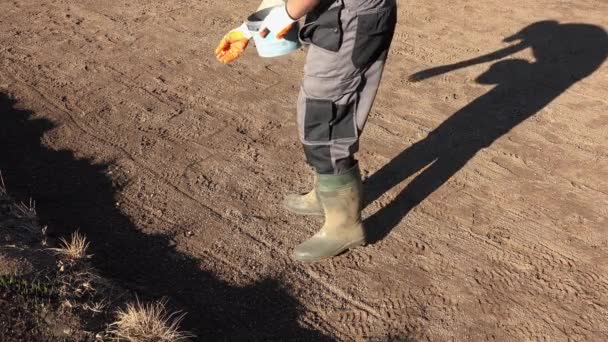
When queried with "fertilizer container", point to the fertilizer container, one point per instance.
{"points": [[271, 46]]}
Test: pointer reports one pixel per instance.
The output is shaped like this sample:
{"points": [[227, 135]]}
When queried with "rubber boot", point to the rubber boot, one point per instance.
{"points": [[305, 204], [340, 196]]}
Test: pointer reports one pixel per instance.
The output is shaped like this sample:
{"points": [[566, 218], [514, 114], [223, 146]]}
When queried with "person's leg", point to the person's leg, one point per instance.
{"points": [[337, 93], [343, 153], [338, 189], [349, 46]]}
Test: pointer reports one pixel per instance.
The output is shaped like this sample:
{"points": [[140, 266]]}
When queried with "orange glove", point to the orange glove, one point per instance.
{"points": [[233, 44]]}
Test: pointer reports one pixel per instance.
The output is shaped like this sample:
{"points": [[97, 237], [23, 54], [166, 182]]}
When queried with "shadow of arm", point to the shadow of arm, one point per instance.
{"points": [[444, 69]]}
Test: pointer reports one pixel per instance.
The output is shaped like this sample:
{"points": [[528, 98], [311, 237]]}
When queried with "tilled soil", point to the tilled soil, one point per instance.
{"points": [[485, 162]]}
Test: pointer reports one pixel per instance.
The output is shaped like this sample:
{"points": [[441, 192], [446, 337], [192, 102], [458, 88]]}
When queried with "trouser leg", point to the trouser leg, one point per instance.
{"points": [[339, 87], [372, 78], [336, 97], [330, 128]]}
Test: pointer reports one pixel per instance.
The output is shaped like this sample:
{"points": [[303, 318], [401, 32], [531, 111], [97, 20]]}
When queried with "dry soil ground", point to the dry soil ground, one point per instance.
{"points": [[486, 180]]}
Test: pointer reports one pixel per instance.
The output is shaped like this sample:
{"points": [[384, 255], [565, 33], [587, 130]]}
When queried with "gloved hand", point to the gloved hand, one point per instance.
{"points": [[278, 21], [233, 44]]}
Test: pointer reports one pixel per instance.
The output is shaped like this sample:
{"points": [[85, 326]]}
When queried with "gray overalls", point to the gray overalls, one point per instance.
{"points": [[349, 42]]}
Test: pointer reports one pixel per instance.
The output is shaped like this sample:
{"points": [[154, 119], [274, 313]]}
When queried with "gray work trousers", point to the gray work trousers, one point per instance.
{"points": [[349, 42]]}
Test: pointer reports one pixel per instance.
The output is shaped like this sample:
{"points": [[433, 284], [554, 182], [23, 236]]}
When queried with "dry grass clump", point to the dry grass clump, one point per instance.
{"points": [[73, 295], [20, 220], [26, 211], [27, 216], [75, 249], [2, 185], [148, 322]]}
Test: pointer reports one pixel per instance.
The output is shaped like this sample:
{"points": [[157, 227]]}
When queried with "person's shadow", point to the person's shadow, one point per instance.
{"points": [[564, 53]]}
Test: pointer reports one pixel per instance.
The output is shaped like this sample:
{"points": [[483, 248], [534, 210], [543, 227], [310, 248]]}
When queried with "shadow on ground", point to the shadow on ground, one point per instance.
{"points": [[564, 53], [72, 192]]}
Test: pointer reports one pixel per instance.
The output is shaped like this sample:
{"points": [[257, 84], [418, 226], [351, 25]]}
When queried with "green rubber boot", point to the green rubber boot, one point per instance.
{"points": [[340, 196], [304, 204]]}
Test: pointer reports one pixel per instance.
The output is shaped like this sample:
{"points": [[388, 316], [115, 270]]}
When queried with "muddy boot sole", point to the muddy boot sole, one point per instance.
{"points": [[334, 253]]}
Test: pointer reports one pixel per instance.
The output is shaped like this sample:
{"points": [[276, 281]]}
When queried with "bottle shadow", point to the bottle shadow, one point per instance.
{"points": [[72, 192], [564, 53]]}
